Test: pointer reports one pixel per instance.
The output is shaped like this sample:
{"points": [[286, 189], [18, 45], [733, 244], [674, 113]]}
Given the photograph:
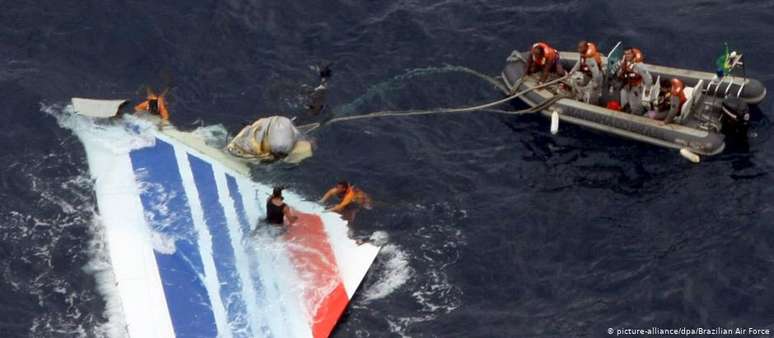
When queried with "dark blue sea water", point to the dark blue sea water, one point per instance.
{"points": [[493, 227]]}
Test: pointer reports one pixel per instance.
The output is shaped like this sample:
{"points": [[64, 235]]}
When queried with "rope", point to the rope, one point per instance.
{"points": [[398, 81], [312, 126]]}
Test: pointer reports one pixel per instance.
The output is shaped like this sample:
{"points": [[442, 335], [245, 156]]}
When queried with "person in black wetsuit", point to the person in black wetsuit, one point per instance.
{"points": [[315, 98], [277, 210]]}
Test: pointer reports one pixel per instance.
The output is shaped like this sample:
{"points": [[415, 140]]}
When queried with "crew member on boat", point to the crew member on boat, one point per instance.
{"points": [[589, 70], [676, 99], [634, 75], [670, 101], [544, 59]]}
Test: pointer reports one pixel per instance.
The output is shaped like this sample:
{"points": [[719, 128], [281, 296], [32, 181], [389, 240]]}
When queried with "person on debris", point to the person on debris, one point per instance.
{"points": [[277, 210], [589, 87], [670, 102], [544, 59], [154, 104], [350, 199], [634, 75]]}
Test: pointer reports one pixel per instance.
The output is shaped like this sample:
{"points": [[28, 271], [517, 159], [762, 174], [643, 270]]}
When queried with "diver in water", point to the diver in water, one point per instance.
{"points": [[350, 200], [277, 210], [277, 137], [315, 98]]}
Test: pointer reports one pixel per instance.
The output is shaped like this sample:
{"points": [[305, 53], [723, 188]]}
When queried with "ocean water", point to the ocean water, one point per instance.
{"points": [[491, 226]]}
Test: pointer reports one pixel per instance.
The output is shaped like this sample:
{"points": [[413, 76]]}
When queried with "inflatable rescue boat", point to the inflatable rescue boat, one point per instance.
{"points": [[715, 107]]}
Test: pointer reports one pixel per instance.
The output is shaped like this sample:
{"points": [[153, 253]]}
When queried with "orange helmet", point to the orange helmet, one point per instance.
{"points": [[548, 52], [590, 50], [636, 54], [677, 87]]}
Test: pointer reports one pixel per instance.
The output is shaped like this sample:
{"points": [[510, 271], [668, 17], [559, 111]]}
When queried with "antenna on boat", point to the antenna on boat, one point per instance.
{"points": [[613, 57], [614, 48]]}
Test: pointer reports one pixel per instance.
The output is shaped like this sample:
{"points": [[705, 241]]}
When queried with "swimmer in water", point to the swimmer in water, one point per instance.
{"points": [[351, 199]]}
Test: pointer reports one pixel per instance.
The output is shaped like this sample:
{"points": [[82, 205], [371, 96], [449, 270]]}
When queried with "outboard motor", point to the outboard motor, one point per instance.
{"points": [[736, 117], [707, 112]]}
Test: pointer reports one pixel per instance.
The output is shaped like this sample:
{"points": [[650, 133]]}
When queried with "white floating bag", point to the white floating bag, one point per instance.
{"points": [[280, 134], [269, 138]]}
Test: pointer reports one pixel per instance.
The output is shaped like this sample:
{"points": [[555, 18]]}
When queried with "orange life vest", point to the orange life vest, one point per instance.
{"points": [[354, 195], [591, 53], [350, 191], [631, 77], [549, 54], [161, 105]]}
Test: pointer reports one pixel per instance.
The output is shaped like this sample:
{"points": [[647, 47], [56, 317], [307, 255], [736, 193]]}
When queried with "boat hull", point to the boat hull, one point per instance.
{"points": [[630, 126]]}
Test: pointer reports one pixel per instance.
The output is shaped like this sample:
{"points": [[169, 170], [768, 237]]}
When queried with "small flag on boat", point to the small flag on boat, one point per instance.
{"points": [[723, 62]]}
